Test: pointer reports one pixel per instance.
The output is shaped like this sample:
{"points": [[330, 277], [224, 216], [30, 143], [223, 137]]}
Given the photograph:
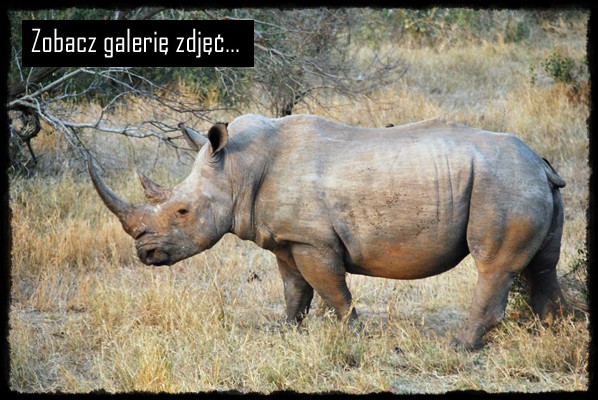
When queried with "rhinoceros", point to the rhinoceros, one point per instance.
{"points": [[403, 202]]}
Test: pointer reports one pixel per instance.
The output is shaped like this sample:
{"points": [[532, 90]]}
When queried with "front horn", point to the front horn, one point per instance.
{"points": [[128, 214]]}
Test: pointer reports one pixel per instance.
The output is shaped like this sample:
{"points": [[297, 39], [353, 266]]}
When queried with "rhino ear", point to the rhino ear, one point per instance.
{"points": [[218, 136]]}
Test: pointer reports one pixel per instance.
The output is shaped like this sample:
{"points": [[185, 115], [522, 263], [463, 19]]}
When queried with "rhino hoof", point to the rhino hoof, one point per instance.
{"points": [[466, 346]]}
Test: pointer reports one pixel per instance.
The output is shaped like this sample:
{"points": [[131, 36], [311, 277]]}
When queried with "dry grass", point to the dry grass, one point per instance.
{"points": [[86, 315]]}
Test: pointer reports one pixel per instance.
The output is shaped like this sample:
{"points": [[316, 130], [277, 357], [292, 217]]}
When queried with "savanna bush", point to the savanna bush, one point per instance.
{"points": [[559, 67]]}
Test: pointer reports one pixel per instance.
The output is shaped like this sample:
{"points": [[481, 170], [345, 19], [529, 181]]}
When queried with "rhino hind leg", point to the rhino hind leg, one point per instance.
{"points": [[547, 299], [487, 308], [501, 250]]}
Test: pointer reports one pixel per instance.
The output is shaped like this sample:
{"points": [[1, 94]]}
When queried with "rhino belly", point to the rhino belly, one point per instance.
{"points": [[411, 244], [401, 261]]}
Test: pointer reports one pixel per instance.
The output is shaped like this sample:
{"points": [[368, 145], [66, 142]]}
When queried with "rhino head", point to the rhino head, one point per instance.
{"points": [[188, 219]]}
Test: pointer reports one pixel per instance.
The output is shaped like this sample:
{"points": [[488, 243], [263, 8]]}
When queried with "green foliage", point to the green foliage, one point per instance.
{"points": [[580, 262], [576, 277], [459, 26], [519, 299], [517, 30], [533, 74], [559, 67]]}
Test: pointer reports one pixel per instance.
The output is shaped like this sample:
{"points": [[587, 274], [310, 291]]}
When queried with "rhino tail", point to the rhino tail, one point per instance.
{"points": [[553, 177]]}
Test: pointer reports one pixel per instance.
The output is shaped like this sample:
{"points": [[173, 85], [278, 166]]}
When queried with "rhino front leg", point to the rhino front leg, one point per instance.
{"points": [[297, 292], [325, 272]]}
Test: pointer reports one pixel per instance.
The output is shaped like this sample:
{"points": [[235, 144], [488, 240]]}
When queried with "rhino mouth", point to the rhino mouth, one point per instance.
{"points": [[150, 255]]}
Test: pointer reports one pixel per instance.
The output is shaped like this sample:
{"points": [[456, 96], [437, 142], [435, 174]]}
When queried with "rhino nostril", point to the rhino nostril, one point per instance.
{"points": [[146, 254], [153, 256]]}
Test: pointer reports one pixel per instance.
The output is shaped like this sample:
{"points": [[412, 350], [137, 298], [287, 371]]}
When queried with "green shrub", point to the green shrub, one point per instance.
{"points": [[559, 67], [576, 278], [517, 31]]}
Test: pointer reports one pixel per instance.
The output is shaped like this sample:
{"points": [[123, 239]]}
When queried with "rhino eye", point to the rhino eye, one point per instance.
{"points": [[182, 211]]}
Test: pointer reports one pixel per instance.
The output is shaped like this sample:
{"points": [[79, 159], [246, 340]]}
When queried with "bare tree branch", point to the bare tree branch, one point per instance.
{"points": [[162, 108], [46, 88], [302, 53], [19, 88]]}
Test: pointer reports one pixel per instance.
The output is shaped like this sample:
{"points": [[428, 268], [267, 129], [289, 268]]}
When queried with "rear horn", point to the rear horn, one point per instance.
{"points": [[194, 139]]}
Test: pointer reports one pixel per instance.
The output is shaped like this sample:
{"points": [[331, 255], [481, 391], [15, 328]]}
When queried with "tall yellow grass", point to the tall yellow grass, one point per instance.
{"points": [[85, 314]]}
